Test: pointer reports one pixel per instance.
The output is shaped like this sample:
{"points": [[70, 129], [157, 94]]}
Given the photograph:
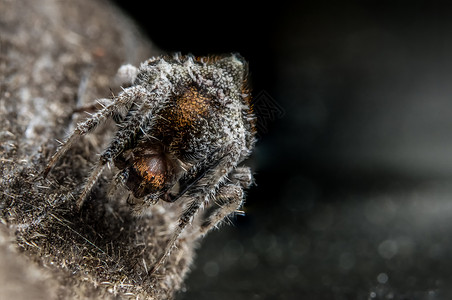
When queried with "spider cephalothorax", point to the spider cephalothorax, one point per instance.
{"points": [[149, 170], [185, 124]]}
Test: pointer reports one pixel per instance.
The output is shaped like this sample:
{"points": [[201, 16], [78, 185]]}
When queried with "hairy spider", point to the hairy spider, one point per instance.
{"points": [[185, 124]]}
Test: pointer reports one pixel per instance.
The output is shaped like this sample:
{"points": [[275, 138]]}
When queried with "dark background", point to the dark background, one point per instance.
{"points": [[353, 167]]}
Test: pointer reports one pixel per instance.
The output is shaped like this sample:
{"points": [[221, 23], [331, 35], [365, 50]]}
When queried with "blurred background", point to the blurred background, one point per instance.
{"points": [[353, 168]]}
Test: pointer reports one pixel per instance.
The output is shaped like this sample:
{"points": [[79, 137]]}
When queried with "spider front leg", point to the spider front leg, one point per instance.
{"points": [[83, 128], [123, 141], [193, 175]]}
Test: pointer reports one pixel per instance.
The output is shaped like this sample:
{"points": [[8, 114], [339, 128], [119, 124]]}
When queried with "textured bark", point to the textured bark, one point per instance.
{"points": [[55, 56]]}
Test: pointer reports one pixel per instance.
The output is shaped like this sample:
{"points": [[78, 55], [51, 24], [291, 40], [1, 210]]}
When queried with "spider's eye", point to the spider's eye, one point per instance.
{"points": [[149, 173]]}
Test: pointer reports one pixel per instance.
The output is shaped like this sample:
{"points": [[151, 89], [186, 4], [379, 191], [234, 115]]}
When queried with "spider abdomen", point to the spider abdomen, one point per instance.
{"points": [[187, 126]]}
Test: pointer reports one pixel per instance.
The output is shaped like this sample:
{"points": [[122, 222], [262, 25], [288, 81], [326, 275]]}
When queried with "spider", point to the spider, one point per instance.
{"points": [[184, 126]]}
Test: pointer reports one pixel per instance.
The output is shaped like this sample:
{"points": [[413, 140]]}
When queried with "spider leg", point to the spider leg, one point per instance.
{"points": [[230, 197], [124, 139], [83, 128], [242, 176], [99, 104], [199, 193], [193, 175]]}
